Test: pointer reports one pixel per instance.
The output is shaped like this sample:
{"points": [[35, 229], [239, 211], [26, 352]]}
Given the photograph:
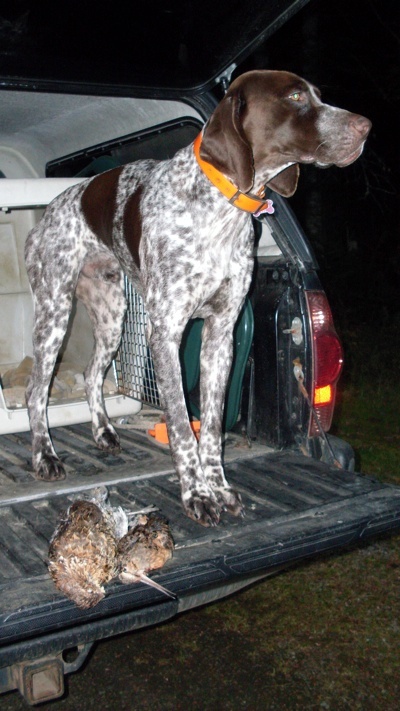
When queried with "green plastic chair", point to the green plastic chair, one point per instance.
{"points": [[190, 364]]}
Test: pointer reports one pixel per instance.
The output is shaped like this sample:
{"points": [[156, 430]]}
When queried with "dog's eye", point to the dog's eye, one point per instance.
{"points": [[296, 96]]}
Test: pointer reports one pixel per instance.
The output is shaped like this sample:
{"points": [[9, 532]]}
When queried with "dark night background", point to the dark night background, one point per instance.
{"points": [[351, 50]]}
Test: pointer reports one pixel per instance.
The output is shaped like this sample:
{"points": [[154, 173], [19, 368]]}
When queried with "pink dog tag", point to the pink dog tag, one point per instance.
{"points": [[268, 208]]}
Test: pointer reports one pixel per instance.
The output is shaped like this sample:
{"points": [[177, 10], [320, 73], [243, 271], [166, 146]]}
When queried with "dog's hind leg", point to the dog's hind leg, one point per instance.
{"points": [[52, 310], [101, 288]]}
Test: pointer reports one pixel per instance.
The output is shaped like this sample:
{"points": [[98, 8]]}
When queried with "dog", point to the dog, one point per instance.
{"points": [[182, 232]]}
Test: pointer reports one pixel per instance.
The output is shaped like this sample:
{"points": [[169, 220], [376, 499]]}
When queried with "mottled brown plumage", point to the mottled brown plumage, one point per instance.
{"points": [[82, 554], [147, 546]]}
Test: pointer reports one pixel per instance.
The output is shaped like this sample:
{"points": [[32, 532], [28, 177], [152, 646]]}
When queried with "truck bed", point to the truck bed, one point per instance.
{"points": [[296, 507]]}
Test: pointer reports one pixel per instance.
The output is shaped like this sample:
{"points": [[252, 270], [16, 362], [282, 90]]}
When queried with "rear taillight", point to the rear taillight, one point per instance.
{"points": [[327, 359]]}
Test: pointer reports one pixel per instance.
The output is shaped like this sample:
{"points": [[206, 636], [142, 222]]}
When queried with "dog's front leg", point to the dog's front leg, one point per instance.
{"points": [[216, 360], [198, 500]]}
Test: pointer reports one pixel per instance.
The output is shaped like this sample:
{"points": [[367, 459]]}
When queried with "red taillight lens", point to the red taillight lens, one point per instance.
{"points": [[327, 358], [328, 364]]}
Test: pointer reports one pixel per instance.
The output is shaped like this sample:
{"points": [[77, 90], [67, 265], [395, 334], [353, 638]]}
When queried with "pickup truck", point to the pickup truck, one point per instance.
{"points": [[61, 121]]}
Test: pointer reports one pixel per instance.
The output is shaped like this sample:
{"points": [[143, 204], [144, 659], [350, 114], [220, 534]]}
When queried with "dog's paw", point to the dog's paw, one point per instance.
{"points": [[202, 509], [230, 501], [107, 439], [50, 468]]}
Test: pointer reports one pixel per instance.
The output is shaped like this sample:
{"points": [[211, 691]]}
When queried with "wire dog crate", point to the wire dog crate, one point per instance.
{"points": [[133, 364], [134, 369]]}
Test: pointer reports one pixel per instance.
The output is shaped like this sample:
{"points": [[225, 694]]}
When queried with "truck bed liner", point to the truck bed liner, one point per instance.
{"points": [[295, 507]]}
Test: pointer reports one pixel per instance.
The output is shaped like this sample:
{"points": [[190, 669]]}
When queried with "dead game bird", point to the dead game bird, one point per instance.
{"points": [[147, 546], [82, 554], [115, 516]]}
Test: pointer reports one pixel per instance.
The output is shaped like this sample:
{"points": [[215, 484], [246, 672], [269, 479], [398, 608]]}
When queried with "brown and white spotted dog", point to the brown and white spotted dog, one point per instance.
{"points": [[181, 230]]}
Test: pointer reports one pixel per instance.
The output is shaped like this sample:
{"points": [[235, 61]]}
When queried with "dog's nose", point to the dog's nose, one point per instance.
{"points": [[360, 125]]}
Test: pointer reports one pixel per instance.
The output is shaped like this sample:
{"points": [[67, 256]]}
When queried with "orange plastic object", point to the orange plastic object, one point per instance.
{"points": [[160, 433]]}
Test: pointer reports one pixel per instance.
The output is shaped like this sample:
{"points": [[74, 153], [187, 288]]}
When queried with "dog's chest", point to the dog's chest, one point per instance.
{"points": [[196, 252], [195, 231]]}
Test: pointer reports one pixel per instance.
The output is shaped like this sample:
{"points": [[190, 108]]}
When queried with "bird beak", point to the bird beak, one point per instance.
{"points": [[153, 584], [126, 577]]}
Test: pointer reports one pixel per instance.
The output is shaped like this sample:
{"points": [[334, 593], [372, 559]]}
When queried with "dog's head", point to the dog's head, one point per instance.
{"points": [[270, 121]]}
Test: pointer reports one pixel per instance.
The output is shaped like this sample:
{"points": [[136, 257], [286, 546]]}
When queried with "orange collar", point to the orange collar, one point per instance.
{"points": [[256, 204]]}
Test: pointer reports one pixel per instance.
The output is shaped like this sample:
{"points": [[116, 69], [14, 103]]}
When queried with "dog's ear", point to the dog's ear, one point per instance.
{"points": [[225, 145], [285, 183]]}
